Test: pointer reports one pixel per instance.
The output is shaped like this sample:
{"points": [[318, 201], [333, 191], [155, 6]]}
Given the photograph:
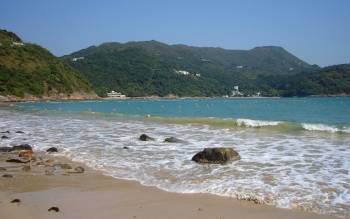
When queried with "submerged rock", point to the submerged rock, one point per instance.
{"points": [[145, 137], [173, 140], [19, 132], [125, 147], [22, 147], [216, 155], [5, 132], [52, 150], [3, 169], [7, 176], [4, 137]]}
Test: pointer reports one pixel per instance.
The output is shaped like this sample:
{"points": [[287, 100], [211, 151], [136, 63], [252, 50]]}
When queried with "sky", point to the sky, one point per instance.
{"points": [[317, 31]]}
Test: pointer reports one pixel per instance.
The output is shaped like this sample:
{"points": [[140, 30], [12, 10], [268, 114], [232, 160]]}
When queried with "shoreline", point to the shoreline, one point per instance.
{"points": [[93, 195], [38, 100]]}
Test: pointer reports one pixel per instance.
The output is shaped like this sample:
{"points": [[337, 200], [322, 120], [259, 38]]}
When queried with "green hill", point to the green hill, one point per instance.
{"points": [[331, 80], [31, 72], [155, 68]]}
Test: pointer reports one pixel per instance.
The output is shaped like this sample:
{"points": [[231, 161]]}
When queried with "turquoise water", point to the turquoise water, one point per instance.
{"points": [[334, 111], [295, 152]]}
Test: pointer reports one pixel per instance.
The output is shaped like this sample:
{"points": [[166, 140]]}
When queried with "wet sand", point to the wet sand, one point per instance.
{"points": [[93, 195]]}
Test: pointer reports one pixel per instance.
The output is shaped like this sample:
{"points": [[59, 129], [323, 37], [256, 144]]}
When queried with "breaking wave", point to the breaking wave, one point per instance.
{"points": [[251, 123]]}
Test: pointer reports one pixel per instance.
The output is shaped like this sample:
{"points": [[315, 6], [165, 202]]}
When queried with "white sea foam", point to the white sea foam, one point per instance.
{"points": [[256, 123], [306, 170], [325, 128]]}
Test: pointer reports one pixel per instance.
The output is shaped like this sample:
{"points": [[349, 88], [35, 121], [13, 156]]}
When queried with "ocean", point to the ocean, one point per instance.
{"points": [[295, 152]]}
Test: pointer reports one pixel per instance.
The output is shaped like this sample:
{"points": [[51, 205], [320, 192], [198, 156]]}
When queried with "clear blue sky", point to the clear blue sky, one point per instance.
{"points": [[317, 31]]}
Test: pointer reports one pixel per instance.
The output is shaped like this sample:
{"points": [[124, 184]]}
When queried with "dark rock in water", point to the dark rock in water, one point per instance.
{"points": [[216, 155], [55, 209], [125, 147], [5, 132], [20, 132], [26, 168], [52, 150], [145, 137], [17, 160], [7, 176], [3, 169], [5, 149], [63, 166], [16, 200], [173, 140], [22, 147], [4, 137]]}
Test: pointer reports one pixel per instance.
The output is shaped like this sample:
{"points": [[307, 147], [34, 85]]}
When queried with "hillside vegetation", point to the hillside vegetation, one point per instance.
{"points": [[155, 68], [28, 70], [332, 80]]}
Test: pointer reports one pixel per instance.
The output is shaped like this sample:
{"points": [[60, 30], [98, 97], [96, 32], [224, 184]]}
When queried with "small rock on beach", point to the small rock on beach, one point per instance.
{"points": [[16, 200], [55, 209]]}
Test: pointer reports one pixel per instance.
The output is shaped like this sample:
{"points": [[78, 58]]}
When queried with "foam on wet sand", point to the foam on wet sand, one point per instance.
{"points": [[93, 195]]}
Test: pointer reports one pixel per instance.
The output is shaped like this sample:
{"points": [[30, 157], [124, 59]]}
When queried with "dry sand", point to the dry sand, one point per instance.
{"points": [[93, 195]]}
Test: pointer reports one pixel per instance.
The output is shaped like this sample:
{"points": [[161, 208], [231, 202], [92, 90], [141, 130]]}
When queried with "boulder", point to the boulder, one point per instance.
{"points": [[173, 140], [7, 176], [145, 137], [125, 147], [22, 147], [5, 132], [4, 137], [216, 156], [52, 150], [19, 132]]}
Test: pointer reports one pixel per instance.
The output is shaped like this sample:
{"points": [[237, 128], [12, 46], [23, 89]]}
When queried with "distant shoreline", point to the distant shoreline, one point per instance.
{"points": [[7, 102]]}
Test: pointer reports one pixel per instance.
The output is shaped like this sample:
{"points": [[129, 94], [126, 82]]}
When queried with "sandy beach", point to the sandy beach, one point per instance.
{"points": [[90, 194]]}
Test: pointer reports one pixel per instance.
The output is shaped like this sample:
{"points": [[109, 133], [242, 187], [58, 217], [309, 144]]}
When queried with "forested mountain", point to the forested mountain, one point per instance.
{"points": [[154, 68], [332, 80], [30, 71]]}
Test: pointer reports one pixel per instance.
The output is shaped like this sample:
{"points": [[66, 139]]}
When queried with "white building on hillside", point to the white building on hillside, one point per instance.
{"points": [[236, 92], [115, 95], [77, 59], [19, 44]]}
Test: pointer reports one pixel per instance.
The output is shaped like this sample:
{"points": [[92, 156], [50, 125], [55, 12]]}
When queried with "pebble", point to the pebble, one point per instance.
{"points": [[56, 209], [16, 200]]}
